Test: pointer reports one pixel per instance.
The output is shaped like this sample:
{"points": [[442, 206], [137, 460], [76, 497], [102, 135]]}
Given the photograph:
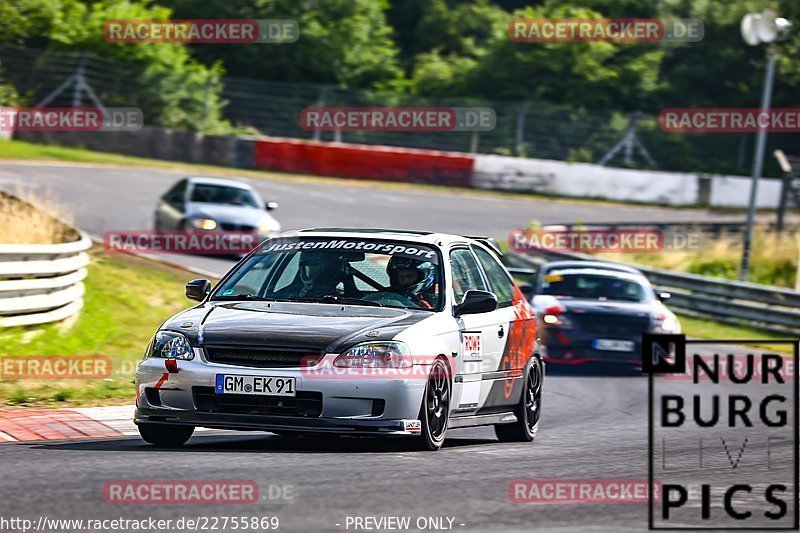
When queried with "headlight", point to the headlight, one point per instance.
{"points": [[267, 228], [204, 223], [375, 355], [171, 345]]}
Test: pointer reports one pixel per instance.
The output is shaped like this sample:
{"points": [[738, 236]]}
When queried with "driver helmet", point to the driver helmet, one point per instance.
{"points": [[317, 266], [410, 276]]}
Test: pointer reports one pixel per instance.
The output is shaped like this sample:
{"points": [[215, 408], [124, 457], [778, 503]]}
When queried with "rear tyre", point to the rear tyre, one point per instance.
{"points": [[528, 411], [434, 413], [165, 435]]}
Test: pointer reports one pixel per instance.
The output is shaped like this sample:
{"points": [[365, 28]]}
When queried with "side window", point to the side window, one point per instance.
{"points": [[502, 286], [177, 194], [466, 273], [289, 273], [254, 279]]}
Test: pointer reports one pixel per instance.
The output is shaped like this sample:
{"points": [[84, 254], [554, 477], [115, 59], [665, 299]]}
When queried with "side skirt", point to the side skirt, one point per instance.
{"points": [[481, 420]]}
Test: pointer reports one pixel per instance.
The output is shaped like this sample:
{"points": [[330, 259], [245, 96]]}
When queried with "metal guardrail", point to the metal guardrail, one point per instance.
{"points": [[764, 307], [42, 283], [715, 228]]}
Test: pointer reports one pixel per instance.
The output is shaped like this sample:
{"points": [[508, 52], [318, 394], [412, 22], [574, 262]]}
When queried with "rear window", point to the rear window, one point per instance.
{"points": [[594, 287]]}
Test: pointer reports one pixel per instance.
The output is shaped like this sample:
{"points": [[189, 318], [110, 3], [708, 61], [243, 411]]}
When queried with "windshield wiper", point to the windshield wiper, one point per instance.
{"points": [[331, 299], [249, 297]]}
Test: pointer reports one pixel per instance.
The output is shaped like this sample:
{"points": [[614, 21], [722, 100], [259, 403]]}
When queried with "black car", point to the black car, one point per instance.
{"points": [[596, 312]]}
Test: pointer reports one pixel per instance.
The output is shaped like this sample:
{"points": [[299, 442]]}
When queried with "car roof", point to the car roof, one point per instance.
{"points": [[426, 237], [219, 181], [598, 265], [631, 276]]}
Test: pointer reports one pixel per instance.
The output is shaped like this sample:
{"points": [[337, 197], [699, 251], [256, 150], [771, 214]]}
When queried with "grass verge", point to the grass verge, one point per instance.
{"points": [[706, 329], [126, 299], [773, 259]]}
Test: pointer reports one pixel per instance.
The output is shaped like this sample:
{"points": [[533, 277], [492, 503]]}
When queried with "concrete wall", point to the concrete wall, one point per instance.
{"points": [[588, 180], [734, 191], [157, 143], [583, 179]]}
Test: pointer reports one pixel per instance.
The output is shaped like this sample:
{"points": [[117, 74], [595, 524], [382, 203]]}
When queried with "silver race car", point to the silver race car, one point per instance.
{"points": [[351, 332], [215, 204]]}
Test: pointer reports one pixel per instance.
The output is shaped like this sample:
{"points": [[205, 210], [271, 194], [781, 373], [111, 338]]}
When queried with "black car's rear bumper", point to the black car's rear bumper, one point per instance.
{"points": [[576, 354]]}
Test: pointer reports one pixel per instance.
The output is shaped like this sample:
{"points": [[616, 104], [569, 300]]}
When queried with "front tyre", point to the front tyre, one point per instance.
{"points": [[528, 411], [165, 435], [434, 414]]}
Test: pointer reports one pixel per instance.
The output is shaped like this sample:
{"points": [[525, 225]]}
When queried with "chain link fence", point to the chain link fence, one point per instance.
{"points": [[526, 129]]}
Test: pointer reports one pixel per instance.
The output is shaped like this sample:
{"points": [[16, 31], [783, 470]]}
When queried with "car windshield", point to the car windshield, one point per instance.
{"points": [[594, 287], [339, 271], [222, 194]]}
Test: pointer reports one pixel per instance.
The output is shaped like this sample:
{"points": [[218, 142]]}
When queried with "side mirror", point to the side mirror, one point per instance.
{"points": [[198, 289], [663, 296], [475, 302], [528, 290], [271, 205]]}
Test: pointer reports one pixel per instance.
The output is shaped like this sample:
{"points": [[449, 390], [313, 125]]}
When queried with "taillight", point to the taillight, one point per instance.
{"points": [[665, 323], [556, 309], [554, 316]]}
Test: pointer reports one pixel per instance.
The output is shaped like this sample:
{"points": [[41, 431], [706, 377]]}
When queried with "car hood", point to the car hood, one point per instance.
{"points": [[226, 213], [329, 327], [578, 306]]}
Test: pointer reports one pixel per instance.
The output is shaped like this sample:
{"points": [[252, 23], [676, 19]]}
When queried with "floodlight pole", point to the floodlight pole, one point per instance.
{"points": [[758, 163]]}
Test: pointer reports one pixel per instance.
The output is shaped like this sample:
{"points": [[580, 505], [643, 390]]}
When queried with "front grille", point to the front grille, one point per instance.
{"points": [[611, 324], [306, 403], [258, 357], [236, 227]]}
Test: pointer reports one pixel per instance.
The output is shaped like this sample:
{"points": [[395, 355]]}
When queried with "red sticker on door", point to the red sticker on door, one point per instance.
{"points": [[472, 346]]}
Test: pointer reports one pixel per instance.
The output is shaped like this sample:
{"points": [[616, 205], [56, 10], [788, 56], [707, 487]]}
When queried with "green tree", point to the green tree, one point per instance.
{"points": [[347, 43], [172, 88]]}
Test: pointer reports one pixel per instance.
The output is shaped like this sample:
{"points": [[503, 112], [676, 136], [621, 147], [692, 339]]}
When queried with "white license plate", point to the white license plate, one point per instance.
{"points": [[613, 345], [258, 385]]}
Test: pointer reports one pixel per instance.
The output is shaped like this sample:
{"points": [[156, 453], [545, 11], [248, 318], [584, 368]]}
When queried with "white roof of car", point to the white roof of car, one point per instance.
{"points": [[597, 272], [220, 181]]}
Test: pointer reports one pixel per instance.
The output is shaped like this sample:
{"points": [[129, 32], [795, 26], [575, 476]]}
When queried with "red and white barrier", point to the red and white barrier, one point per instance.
{"points": [[363, 161]]}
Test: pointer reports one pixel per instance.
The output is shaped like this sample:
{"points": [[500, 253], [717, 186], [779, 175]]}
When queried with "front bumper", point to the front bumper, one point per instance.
{"points": [[339, 426], [355, 403]]}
